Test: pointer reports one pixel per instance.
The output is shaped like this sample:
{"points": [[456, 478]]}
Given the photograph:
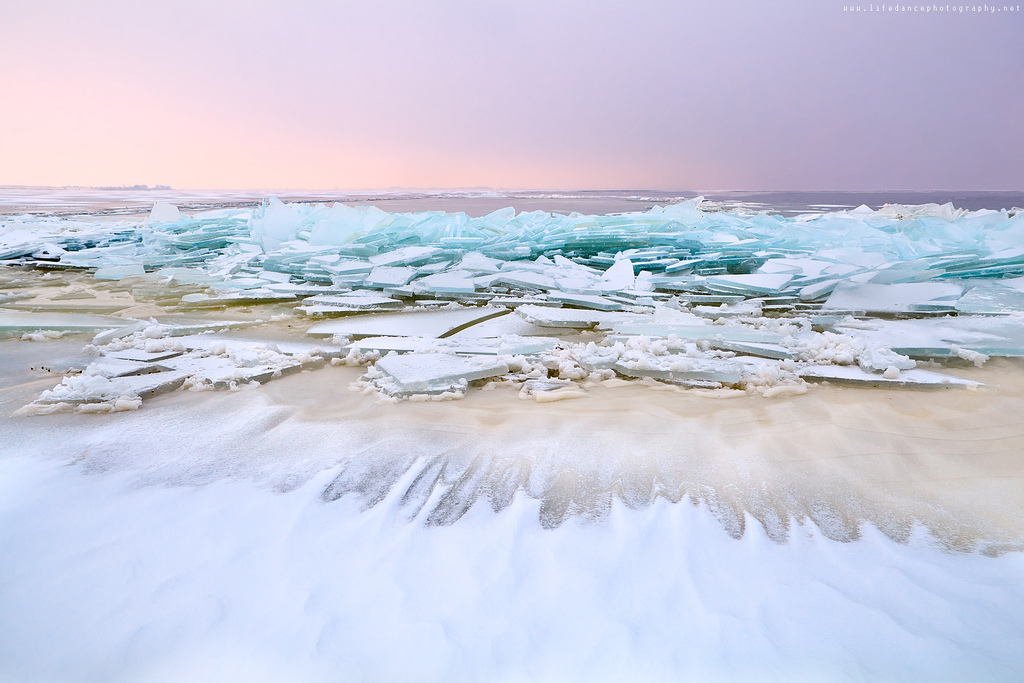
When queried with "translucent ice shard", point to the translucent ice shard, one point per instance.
{"points": [[991, 300], [943, 337], [753, 285], [892, 298], [119, 272]]}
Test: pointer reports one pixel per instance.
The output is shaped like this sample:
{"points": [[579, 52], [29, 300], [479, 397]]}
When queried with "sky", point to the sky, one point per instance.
{"points": [[532, 94]]}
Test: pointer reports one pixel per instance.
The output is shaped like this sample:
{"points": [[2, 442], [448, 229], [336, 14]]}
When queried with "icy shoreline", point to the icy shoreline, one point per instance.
{"points": [[678, 294]]}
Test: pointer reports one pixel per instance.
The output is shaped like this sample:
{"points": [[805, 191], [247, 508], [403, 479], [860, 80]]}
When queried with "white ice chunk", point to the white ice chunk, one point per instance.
{"points": [[618, 277], [162, 212]]}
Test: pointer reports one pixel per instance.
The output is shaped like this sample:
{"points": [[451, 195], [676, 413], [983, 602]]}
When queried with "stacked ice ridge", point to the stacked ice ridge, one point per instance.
{"points": [[437, 303]]}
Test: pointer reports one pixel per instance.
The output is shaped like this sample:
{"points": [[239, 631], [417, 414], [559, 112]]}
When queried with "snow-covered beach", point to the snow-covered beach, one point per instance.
{"points": [[654, 467]]}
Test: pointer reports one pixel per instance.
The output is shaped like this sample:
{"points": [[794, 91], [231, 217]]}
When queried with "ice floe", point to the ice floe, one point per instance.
{"points": [[434, 302]]}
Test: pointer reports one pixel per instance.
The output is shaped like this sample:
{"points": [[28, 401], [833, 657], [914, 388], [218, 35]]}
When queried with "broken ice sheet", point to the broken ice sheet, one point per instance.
{"points": [[344, 304], [224, 372], [943, 337], [851, 374], [424, 323], [598, 303], [682, 369], [432, 373], [17, 322], [96, 393], [508, 345], [545, 316], [891, 298], [991, 300], [904, 261]]}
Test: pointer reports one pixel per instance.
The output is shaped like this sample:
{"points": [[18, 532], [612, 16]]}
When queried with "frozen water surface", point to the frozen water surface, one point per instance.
{"points": [[810, 452]]}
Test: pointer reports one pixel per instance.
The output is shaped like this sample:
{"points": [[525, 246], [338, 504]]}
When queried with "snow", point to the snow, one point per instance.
{"points": [[107, 580]]}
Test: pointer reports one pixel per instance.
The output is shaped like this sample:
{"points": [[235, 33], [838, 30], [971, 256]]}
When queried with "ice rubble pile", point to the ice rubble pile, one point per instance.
{"points": [[675, 294]]}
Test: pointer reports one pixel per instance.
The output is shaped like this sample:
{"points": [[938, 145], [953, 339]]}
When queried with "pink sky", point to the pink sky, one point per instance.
{"points": [[354, 95]]}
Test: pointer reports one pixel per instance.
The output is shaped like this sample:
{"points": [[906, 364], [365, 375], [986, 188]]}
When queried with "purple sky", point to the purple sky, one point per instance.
{"points": [[351, 95]]}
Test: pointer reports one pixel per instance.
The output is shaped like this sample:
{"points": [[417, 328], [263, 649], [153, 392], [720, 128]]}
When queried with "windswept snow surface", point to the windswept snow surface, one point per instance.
{"points": [[104, 580]]}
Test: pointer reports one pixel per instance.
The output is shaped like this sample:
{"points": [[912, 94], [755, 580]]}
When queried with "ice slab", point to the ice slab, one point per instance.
{"points": [[775, 351], [406, 256], [682, 369], [118, 333], [943, 337], [223, 372], [494, 346], [119, 272], [12, 322], [174, 326], [729, 333], [598, 303], [744, 309], [243, 298], [851, 374], [140, 356], [525, 279], [502, 325], [433, 373], [705, 299], [891, 298], [389, 276], [754, 284], [446, 283], [545, 316], [81, 389], [118, 367], [430, 323], [991, 300], [341, 304]]}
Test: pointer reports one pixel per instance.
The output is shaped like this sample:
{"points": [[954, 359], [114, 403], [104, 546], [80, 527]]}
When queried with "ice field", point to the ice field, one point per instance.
{"points": [[698, 440]]}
